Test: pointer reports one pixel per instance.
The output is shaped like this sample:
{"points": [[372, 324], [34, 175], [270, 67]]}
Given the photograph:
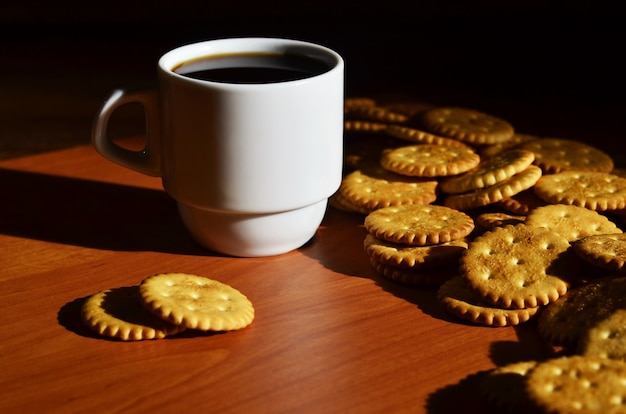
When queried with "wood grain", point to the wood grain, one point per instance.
{"points": [[329, 334]]}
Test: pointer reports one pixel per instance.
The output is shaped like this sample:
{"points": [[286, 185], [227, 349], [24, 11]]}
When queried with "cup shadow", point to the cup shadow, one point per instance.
{"points": [[91, 214]]}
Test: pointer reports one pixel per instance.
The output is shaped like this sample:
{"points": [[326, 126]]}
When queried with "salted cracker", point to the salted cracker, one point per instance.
{"points": [[606, 251], [486, 151], [554, 155], [490, 171], [522, 203], [495, 193], [372, 187], [468, 125], [196, 302], [466, 304], [570, 221], [412, 134], [578, 384], [518, 266], [414, 257], [590, 189], [419, 224], [428, 160], [566, 321], [491, 220]]}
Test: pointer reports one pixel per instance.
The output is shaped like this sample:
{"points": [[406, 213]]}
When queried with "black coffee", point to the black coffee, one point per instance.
{"points": [[253, 68]]}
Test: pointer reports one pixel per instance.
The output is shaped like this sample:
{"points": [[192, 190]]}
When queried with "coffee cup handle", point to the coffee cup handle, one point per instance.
{"points": [[146, 160]]}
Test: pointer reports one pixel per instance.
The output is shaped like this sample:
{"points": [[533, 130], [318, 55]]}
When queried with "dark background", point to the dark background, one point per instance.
{"points": [[551, 68]]}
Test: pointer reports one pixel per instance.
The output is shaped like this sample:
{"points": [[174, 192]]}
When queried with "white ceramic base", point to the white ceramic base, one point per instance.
{"points": [[253, 235]]}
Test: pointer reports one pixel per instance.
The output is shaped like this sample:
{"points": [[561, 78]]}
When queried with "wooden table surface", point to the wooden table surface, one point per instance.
{"points": [[330, 335]]}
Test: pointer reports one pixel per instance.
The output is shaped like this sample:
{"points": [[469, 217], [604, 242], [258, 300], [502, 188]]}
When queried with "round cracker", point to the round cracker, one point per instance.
{"points": [[489, 221], [570, 221], [374, 113], [517, 139], [356, 125], [555, 155], [419, 225], [578, 384], [372, 187], [118, 313], [462, 302], [422, 137], [340, 202], [566, 321], [495, 193], [492, 170], [607, 251], [468, 125], [593, 190], [413, 257], [196, 302], [429, 160], [358, 102], [518, 266], [606, 338]]}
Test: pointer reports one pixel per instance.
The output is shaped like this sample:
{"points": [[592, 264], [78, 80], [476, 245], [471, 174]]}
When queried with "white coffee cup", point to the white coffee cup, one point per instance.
{"points": [[250, 165]]}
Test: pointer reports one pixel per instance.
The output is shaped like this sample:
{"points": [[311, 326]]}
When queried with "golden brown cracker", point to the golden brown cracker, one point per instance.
{"points": [[565, 322], [411, 134], [606, 251], [495, 193], [429, 160], [196, 302], [419, 224], [554, 155], [518, 266], [570, 221], [414, 257], [593, 190], [355, 125], [464, 303], [578, 384], [491, 220], [606, 338], [490, 171], [486, 151], [468, 125], [372, 187]]}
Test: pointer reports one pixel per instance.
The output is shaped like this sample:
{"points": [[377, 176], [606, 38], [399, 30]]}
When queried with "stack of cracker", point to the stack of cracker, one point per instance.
{"points": [[166, 304], [401, 154], [417, 244], [547, 243]]}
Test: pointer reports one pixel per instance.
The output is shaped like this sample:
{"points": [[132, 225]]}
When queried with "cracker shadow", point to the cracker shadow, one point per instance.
{"points": [[338, 244], [464, 396], [91, 214], [530, 346]]}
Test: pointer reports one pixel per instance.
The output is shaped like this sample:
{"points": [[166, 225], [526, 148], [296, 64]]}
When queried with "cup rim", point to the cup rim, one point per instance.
{"points": [[175, 57]]}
